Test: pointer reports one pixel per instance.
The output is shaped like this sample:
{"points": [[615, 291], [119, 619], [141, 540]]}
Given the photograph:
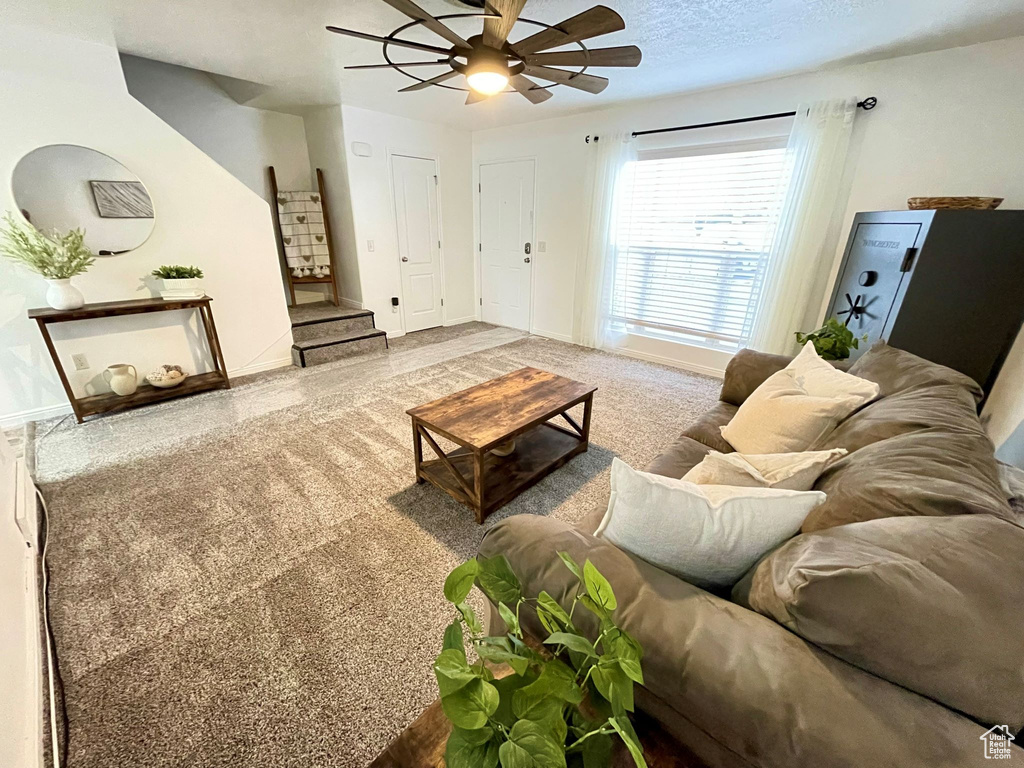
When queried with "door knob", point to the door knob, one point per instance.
{"points": [[527, 260], [405, 258]]}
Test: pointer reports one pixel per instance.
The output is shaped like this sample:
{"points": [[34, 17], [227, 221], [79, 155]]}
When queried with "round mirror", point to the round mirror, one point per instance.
{"points": [[66, 187]]}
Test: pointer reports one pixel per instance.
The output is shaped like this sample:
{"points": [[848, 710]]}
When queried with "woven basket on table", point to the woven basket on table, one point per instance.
{"points": [[972, 203]]}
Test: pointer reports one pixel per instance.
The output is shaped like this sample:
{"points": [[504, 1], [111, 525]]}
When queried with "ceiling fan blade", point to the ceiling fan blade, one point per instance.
{"points": [[535, 93], [413, 11], [623, 56], [390, 40], [432, 81], [496, 31], [599, 20], [475, 97], [437, 63], [584, 82]]}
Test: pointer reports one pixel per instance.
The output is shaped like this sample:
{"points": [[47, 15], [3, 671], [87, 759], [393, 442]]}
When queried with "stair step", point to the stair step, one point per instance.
{"points": [[318, 329], [323, 312], [323, 349], [339, 338]]}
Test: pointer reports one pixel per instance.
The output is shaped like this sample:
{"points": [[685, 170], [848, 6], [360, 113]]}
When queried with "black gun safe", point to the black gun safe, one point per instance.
{"points": [[946, 285]]}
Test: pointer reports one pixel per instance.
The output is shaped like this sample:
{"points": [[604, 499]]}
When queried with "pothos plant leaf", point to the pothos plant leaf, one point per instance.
{"points": [[471, 749], [510, 619], [598, 588], [571, 564], [529, 745], [497, 580], [460, 581], [471, 705], [453, 638], [628, 735]]}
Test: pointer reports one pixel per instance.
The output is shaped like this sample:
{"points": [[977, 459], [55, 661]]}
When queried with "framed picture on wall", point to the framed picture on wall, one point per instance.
{"points": [[122, 200]]}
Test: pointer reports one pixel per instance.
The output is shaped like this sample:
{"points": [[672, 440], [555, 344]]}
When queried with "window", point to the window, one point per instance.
{"points": [[693, 233]]}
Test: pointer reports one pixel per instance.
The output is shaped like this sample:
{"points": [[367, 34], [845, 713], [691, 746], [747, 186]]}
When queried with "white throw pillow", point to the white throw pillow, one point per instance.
{"points": [[788, 471], [708, 535], [797, 406]]}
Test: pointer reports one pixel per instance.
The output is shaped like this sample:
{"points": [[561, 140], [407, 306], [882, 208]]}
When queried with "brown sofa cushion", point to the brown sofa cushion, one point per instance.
{"points": [[770, 697], [895, 371], [919, 450], [932, 605]]}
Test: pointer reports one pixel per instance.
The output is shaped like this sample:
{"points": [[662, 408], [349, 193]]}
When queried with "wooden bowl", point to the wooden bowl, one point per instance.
{"points": [[166, 383], [958, 203]]}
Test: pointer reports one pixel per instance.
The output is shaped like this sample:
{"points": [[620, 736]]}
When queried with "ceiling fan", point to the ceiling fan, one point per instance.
{"points": [[490, 63]]}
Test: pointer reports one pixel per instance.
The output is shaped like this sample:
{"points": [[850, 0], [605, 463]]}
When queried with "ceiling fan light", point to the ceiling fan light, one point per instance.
{"points": [[488, 77]]}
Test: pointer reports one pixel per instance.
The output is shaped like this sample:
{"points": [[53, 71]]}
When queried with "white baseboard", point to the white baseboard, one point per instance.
{"points": [[350, 303], [674, 363], [461, 320], [18, 418], [49, 411], [552, 335], [259, 367]]}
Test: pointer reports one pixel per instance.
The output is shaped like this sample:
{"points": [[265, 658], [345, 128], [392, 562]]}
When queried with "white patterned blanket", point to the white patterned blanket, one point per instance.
{"points": [[303, 234]]}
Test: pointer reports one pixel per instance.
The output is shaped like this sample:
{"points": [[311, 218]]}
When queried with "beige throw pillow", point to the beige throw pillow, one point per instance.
{"points": [[786, 471], [708, 535], [797, 406]]}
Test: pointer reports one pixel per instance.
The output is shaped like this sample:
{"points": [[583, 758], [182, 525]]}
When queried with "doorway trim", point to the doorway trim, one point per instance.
{"points": [[392, 152], [478, 221]]}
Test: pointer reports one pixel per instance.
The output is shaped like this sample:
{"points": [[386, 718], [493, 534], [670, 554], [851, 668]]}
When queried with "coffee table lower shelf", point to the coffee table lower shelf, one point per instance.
{"points": [[538, 452]]}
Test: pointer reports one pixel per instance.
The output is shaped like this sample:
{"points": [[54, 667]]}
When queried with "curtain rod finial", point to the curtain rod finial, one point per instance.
{"points": [[868, 104]]}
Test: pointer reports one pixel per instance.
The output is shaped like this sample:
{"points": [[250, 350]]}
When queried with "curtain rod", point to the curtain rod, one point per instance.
{"points": [[867, 105]]}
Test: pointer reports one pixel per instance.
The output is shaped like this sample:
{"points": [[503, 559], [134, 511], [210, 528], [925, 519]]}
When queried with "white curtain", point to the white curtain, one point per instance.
{"points": [[801, 253], [607, 170]]}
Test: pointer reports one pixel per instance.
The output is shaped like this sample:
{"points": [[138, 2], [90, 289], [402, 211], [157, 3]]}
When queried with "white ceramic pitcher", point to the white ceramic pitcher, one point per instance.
{"points": [[122, 378]]}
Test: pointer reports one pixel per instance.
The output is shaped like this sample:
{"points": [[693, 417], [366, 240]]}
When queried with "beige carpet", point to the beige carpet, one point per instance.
{"points": [[267, 591]]}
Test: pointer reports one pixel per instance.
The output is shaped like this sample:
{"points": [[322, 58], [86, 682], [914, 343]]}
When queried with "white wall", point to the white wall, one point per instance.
{"points": [[325, 137], [948, 122], [244, 140], [204, 216], [373, 214]]}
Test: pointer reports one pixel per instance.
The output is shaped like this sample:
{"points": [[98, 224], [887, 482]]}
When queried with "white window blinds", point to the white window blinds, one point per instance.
{"points": [[693, 233]]}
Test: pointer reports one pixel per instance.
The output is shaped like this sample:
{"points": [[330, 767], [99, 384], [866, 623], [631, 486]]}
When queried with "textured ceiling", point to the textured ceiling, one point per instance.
{"points": [[687, 45]]}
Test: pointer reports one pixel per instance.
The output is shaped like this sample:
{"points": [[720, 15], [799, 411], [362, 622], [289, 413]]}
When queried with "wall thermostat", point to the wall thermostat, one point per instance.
{"points": [[361, 149]]}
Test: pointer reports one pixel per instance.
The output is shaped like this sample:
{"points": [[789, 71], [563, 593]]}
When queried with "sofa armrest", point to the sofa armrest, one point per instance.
{"points": [[766, 695], [748, 370]]}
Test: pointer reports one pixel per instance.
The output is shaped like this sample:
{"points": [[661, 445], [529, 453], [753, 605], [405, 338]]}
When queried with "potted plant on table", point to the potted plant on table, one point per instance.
{"points": [[561, 704], [180, 282], [57, 257]]}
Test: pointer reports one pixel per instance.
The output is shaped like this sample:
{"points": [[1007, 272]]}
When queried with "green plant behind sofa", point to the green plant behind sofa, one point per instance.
{"points": [[833, 341], [560, 706]]}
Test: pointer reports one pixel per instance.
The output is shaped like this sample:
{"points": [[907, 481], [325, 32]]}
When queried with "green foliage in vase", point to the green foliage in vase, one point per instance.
{"points": [[177, 272], [561, 706], [54, 255], [833, 341]]}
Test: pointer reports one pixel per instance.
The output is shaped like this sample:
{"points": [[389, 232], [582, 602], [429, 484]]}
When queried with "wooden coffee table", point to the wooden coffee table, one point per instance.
{"points": [[515, 406]]}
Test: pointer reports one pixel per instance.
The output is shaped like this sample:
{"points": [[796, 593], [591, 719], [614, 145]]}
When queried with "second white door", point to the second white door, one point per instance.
{"points": [[419, 240], [506, 242]]}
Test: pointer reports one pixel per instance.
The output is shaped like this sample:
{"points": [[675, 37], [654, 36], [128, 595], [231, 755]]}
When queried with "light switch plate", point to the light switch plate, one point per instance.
{"points": [[369, 245], [81, 362], [542, 246]]}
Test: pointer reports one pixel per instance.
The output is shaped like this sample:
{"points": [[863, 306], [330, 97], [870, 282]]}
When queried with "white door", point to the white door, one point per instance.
{"points": [[419, 240], [506, 242]]}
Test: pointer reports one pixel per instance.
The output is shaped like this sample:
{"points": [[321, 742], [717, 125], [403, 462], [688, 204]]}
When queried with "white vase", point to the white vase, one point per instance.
{"points": [[61, 294], [123, 379]]}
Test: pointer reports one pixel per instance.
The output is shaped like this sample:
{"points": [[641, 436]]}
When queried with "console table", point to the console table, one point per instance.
{"points": [[146, 393]]}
